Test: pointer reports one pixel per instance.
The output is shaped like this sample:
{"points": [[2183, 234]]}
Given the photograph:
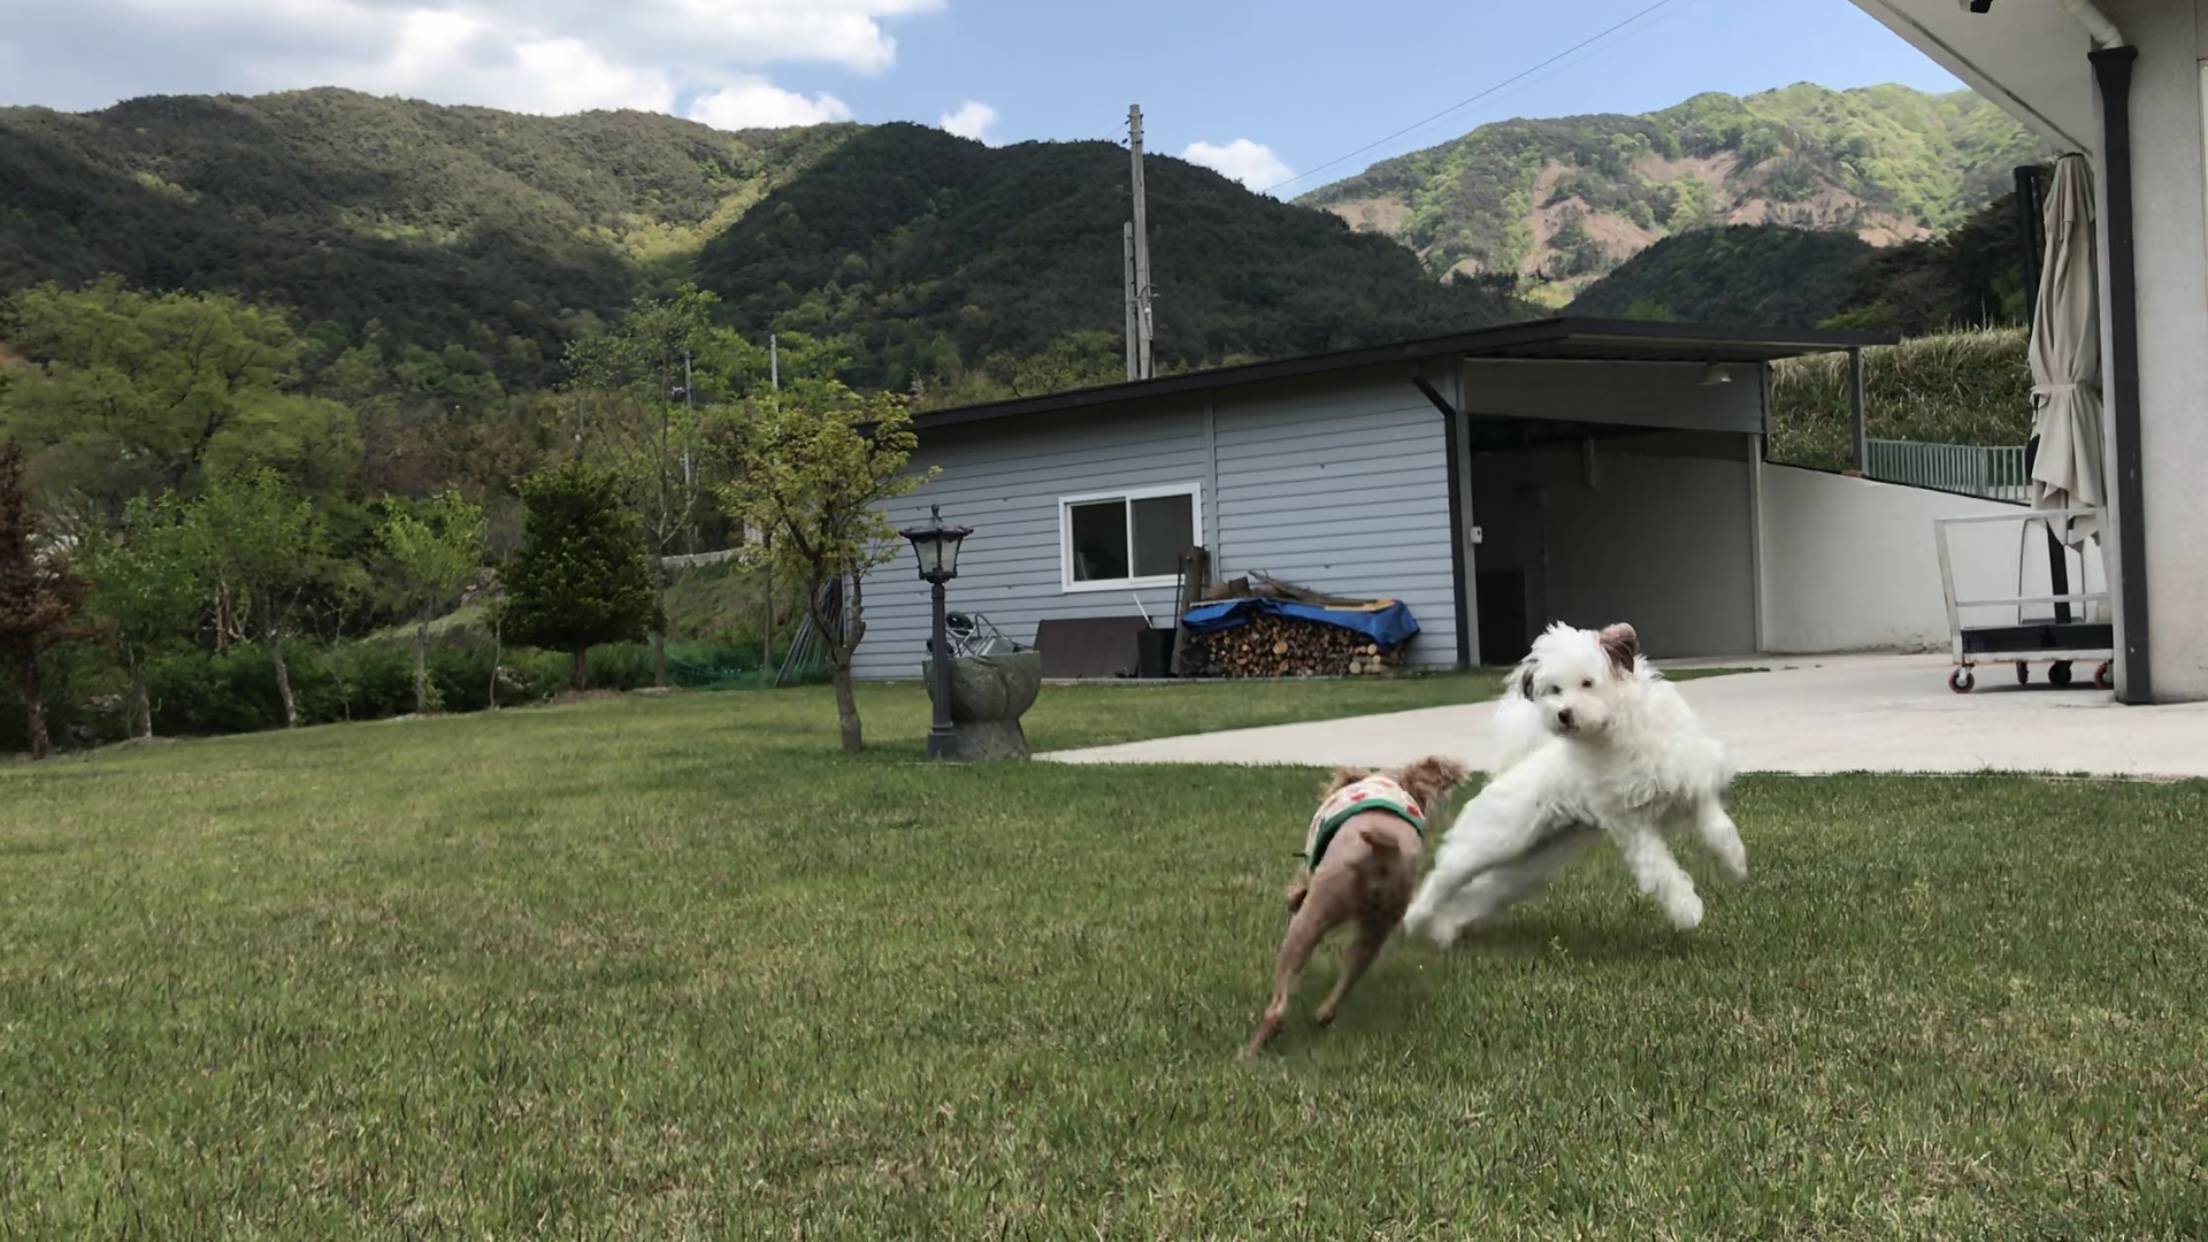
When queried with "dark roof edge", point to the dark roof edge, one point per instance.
{"points": [[1777, 343]]}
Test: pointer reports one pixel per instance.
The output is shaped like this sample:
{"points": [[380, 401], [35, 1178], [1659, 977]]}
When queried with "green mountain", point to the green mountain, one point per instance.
{"points": [[930, 252], [1742, 273], [1970, 276], [1558, 202], [943, 262], [501, 231]]}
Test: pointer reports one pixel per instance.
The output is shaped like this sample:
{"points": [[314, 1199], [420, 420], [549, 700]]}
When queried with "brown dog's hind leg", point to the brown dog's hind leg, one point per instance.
{"points": [[1356, 959], [1303, 936]]}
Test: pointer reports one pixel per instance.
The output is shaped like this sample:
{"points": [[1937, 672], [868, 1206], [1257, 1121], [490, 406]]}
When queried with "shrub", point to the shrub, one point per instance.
{"points": [[1972, 387]]}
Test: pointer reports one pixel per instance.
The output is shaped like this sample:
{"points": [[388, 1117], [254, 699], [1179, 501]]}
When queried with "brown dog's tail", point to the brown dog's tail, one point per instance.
{"points": [[1376, 868]]}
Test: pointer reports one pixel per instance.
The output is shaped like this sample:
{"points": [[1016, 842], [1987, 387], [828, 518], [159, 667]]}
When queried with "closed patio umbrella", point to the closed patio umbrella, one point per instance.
{"points": [[2066, 357]]}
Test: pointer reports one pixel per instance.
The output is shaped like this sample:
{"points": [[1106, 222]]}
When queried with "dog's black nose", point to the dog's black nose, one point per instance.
{"points": [[1564, 718]]}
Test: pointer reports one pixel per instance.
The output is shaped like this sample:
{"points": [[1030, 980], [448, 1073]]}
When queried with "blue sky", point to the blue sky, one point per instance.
{"points": [[1310, 82], [1289, 84]]}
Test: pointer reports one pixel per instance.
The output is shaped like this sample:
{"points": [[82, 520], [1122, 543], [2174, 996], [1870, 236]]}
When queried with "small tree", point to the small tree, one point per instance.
{"points": [[580, 576], [814, 467], [646, 388], [263, 547], [434, 546], [146, 591], [38, 595]]}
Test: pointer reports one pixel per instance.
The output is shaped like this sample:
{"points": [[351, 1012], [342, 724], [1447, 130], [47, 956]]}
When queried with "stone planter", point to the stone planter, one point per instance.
{"points": [[989, 694]]}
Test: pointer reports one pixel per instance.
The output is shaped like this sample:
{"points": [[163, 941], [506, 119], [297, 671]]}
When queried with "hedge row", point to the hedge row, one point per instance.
{"points": [[1968, 387], [198, 693]]}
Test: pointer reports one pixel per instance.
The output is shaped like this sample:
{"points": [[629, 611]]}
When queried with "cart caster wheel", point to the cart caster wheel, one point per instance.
{"points": [[2023, 673], [2104, 677], [1961, 680], [2058, 673]]}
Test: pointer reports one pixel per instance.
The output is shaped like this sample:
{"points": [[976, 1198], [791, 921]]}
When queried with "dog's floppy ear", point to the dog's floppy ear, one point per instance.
{"points": [[1622, 645], [1430, 779], [1522, 680], [1343, 778]]}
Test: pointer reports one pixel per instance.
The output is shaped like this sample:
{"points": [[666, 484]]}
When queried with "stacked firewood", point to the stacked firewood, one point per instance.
{"points": [[1274, 646]]}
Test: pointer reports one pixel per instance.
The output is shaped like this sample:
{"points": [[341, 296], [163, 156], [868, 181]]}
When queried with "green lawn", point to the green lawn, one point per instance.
{"points": [[656, 967]]}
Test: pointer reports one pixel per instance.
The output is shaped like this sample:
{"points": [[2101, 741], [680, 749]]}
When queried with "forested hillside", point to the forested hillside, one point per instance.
{"points": [[935, 255], [1560, 201], [940, 261], [504, 233], [1968, 277]]}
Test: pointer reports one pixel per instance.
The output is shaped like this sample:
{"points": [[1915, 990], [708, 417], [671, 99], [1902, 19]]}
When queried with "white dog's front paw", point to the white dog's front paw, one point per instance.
{"points": [[1685, 911], [1419, 921], [1736, 866]]}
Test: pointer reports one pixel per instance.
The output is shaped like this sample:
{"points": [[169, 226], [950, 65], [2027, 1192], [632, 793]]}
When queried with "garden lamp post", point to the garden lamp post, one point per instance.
{"points": [[936, 546]]}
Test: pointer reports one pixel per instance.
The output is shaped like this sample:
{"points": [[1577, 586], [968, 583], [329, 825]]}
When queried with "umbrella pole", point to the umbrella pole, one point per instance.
{"points": [[2058, 565]]}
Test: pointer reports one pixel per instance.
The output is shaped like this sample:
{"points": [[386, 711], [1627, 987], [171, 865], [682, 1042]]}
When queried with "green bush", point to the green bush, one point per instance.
{"points": [[199, 693], [84, 702], [1971, 387]]}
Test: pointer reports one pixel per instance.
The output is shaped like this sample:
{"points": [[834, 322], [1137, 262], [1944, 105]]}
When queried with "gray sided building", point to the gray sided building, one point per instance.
{"points": [[1491, 480]]}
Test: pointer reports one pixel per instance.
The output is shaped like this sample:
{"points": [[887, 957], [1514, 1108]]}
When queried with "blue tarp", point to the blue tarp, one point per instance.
{"points": [[1386, 626]]}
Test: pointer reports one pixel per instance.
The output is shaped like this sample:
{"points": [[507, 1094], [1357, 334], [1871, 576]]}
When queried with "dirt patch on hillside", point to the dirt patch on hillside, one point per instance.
{"points": [[1714, 169], [1892, 233], [1374, 215], [1619, 235]]}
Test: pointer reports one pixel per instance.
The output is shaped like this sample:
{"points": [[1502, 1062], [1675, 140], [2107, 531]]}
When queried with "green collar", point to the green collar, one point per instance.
{"points": [[1332, 824]]}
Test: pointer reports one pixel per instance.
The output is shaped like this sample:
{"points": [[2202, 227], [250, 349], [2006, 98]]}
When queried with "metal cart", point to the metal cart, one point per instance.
{"points": [[971, 634], [2058, 639]]}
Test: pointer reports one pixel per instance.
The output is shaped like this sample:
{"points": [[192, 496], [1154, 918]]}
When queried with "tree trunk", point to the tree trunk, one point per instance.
{"points": [[34, 705], [222, 618], [582, 669], [847, 711], [141, 703], [498, 652], [283, 682], [847, 703], [421, 665], [659, 635], [766, 645]]}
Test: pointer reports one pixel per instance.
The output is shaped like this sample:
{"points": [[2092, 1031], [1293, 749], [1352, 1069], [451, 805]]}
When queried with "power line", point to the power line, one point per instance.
{"points": [[1512, 80]]}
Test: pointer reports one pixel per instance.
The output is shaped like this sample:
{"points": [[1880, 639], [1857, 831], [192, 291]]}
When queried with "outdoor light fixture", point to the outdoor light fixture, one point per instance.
{"points": [[1715, 374], [936, 548]]}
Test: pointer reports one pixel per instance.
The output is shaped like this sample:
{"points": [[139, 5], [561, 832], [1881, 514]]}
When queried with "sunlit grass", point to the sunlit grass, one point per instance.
{"points": [[662, 967]]}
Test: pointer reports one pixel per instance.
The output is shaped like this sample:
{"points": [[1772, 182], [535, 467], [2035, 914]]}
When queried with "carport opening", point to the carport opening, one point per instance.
{"points": [[1591, 523]]}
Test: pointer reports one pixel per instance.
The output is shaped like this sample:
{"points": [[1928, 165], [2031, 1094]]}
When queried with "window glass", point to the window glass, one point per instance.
{"points": [[1099, 530], [1165, 526]]}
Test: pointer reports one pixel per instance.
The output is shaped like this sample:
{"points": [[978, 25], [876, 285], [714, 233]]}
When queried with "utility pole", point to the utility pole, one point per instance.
{"points": [[689, 462], [1144, 328], [1127, 267], [766, 643]]}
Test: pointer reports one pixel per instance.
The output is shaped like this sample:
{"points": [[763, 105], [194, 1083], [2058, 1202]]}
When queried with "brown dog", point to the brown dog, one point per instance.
{"points": [[1362, 858]]}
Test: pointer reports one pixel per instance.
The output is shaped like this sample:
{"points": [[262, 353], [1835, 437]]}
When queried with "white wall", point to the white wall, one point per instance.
{"points": [[2030, 58], [1850, 564], [1662, 538]]}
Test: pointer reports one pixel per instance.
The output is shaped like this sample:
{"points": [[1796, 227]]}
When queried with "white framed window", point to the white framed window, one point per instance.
{"points": [[1133, 537]]}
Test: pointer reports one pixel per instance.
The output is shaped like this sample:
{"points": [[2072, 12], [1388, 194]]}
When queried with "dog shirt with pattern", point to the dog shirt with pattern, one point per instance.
{"points": [[1374, 793]]}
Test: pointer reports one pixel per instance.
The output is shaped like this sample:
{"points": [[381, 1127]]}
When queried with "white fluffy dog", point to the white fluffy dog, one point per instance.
{"points": [[1595, 743]]}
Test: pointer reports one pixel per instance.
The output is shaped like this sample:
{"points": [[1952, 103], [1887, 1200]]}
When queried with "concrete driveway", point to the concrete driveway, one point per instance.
{"points": [[1805, 715]]}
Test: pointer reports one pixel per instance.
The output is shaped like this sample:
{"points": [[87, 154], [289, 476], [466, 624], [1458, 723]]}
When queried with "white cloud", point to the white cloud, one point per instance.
{"points": [[755, 103], [972, 119], [454, 58], [1251, 163], [538, 55]]}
